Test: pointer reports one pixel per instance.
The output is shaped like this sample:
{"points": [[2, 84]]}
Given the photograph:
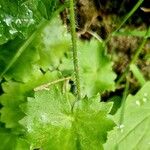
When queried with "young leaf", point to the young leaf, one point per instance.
{"points": [[134, 132], [95, 68], [51, 123], [52, 45]]}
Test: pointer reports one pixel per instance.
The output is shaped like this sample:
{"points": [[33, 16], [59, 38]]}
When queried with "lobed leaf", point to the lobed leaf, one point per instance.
{"points": [[15, 93], [96, 71], [52, 117], [52, 45]]}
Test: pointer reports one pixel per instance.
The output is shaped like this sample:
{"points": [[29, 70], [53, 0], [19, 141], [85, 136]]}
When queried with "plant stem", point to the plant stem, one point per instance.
{"points": [[123, 103], [137, 74], [74, 48], [46, 86], [121, 119]]}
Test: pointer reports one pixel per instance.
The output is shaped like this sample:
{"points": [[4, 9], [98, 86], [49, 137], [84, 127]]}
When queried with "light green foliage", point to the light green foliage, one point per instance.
{"points": [[52, 45], [35, 49], [95, 68], [139, 76], [134, 132], [132, 32], [46, 51], [50, 118], [16, 93]]}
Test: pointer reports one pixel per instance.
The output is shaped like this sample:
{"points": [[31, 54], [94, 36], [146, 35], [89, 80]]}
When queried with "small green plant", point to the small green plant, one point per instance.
{"points": [[52, 83]]}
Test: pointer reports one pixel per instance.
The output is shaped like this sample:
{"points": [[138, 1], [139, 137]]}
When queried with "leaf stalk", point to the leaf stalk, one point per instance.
{"points": [[74, 49]]}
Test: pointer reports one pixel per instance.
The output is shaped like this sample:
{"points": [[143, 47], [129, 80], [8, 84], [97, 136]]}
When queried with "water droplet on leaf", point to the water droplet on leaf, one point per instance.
{"points": [[120, 127], [29, 128], [138, 103], [144, 99], [8, 20], [18, 21], [44, 117], [13, 31], [145, 94]]}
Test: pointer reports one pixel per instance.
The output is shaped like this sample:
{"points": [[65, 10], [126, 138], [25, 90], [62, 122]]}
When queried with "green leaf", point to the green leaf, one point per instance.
{"points": [[132, 32], [16, 53], [15, 93], [19, 52], [42, 52], [47, 7], [134, 132], [51, 123], [16, 19], [95, 68], [52, 45], [43, 49], [138, 74], [22, 68], [21, 17], [10, 141]]}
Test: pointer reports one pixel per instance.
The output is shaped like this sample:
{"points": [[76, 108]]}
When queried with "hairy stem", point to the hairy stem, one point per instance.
{"points": [[74, 48]]}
